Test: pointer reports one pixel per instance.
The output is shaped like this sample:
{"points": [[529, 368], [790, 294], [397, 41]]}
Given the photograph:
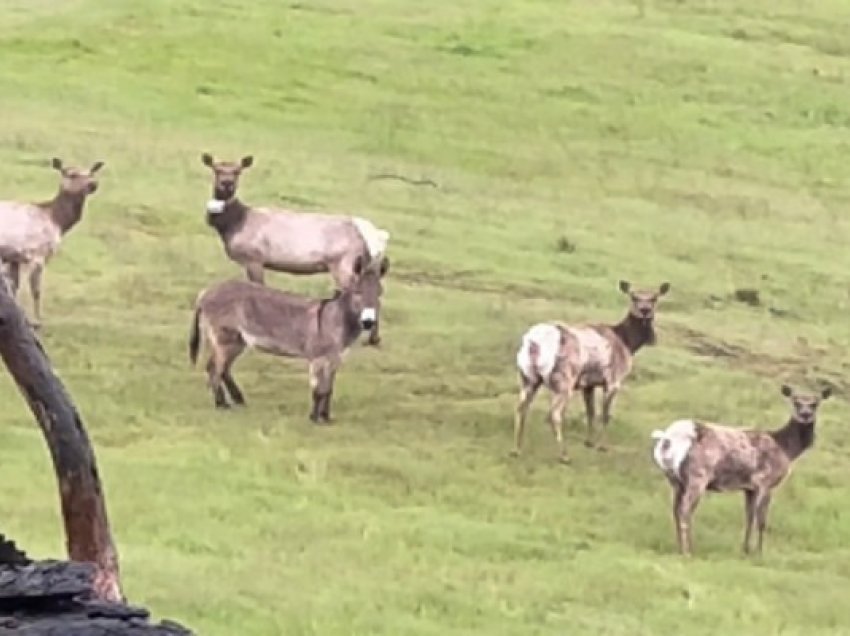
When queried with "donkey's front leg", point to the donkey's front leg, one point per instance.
{"points": [[321, 381], [374, 333]]}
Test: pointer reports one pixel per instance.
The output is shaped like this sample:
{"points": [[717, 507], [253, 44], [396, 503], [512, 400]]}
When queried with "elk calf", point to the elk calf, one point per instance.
{"points": [[234, 315], [287, 241], [698, 456], [30, 233], [564, 358]]}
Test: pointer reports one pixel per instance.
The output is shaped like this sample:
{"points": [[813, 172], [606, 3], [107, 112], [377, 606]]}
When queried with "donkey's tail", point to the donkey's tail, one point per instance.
{"points": [[195, 337]]}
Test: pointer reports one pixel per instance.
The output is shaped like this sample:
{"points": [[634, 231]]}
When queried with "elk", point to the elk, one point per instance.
{"points": [[30, 233], [237, 314], [288, 241], [696, 456], [566, 358]]}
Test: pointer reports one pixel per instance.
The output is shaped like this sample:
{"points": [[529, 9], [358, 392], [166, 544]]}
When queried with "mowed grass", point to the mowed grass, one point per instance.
{"points": [[697, 142]]}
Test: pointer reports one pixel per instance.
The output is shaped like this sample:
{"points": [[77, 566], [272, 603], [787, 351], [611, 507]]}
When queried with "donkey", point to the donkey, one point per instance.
{"points": [[30, 233], [289, 241], [234, 315], [565, 358], [697, 456]]}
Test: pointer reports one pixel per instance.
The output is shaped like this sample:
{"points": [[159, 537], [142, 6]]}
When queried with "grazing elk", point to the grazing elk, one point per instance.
{"points": [[234, 315], [30, 233], [697, 456], [566, 358], [289, 241]]}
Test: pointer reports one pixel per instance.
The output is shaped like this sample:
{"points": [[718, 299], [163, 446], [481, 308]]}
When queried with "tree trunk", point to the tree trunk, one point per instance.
{"points": [[83, 505]]}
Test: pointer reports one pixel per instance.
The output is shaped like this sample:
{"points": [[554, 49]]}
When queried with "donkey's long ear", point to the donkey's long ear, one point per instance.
{"points": [[247, 161], [56, 164], [665, 287], [824, 395], [786, 390], [385, 266], [358, 266], [96, 166], [625, 286], [207, 160]]}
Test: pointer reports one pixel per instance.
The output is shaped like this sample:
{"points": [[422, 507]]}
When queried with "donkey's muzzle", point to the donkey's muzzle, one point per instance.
{"points": [[368, 318]]}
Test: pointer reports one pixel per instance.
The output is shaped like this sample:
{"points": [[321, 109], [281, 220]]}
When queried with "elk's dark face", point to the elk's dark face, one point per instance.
{"points": [[804, 407], [643, 302], [77, 181], [226, 175], [366, 292]]}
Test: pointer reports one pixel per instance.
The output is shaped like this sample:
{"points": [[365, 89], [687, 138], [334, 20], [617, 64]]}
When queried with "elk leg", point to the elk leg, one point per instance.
{"points": [[609, 393], [13, 271], [678, 495], [35, 292], [750, 512], [527, 391], [762, 506], [590, 412], [560, 398], [255, 273], [685, 507]]}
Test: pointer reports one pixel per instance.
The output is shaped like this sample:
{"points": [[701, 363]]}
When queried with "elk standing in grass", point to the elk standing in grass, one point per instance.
{"points": [[289, 241], [566, 358], [30, 233], [698, 456], [234, 315]]}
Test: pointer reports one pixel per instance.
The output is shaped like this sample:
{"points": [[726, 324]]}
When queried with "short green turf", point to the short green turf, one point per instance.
{"points": [[573, 143]]}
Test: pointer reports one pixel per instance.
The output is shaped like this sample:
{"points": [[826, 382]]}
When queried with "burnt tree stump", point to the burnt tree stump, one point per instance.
{"points": [[80, 597]]}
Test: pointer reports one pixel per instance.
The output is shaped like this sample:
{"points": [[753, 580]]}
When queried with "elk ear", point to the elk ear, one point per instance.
{"points": [[786, 390], [358, 266], [57, 164], [625, 286], [824, 395], [247, 161], [207, 160], [96, 166], [385, 266], [665, 287]]}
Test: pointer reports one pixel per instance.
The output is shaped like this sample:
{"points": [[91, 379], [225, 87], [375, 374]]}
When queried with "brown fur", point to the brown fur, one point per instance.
{"points": [[756, 462], [234, 315], [284, 240], [30, 233], [579, 368]]}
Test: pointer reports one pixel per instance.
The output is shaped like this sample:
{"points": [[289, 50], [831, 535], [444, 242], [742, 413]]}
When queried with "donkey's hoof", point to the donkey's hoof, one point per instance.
{"points": [[514, 453], [222, 406], [602, 448], [589, 443]]}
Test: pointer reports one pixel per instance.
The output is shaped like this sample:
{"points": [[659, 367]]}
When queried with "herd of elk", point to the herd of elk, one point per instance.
{"points": [[234, 315]]}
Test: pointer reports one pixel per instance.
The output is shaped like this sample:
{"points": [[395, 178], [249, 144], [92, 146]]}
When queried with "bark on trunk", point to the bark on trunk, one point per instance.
{"points": [[83, 505]]}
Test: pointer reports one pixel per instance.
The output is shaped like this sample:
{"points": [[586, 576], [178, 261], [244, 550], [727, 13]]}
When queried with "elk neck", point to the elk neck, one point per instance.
{"points": [[65, 209], [230, 220], [794, 438], [634, 332]]}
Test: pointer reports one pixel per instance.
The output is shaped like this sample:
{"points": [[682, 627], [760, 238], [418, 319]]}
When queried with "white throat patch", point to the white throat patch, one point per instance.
{"points": [[214, 206]]}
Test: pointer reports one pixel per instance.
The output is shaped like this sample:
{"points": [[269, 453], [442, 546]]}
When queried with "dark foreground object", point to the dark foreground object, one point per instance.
{"points": [[57, 598]]}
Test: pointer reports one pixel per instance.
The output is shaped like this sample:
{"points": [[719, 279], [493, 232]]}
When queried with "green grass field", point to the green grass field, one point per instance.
{"points": [[701, 142]]}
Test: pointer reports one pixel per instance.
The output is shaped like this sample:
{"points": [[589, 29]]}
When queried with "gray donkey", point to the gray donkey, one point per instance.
{"points": [[30, 233], [234, 315], [696, 456], [568, 357], [287, 241]]}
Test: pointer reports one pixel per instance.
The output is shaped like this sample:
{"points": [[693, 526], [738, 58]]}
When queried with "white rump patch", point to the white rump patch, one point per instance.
{"points": [[547, 337], [672, 446], [376, 239], [214, 206], [368, 315]]}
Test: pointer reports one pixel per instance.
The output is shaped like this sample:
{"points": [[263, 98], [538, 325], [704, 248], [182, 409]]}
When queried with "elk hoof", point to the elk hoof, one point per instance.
{"points": [[514, 453], [35, 325], [222, 406], [565, 460], [589, 443], [602, 448]]}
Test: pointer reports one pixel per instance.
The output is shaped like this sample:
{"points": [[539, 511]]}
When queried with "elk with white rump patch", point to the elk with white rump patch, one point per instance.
{"points": [[697, 456], [30, 233], [234, 315], [565, 358], [260, 238]]}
